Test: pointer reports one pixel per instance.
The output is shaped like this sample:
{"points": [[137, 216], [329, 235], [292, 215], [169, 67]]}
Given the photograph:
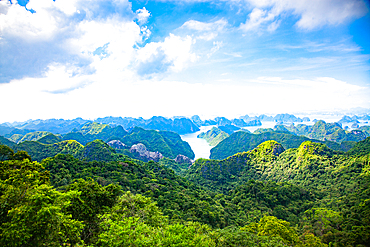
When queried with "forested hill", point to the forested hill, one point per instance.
{"points": [[271, 161], [243, 141], [269, 196], [338, 181], [309, 196], [329, 132], [169, 144], [60, 126]]}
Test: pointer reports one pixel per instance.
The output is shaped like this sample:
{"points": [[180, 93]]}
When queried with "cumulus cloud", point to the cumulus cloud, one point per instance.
{"points": [[67, 31], [68, 50], [174, 54], [117, 37], [142, 15], [73, 32], [18, 21]]}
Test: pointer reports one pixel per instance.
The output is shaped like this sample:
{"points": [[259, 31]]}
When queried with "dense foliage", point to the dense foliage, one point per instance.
{"points": [[269, 196], [213, 136], [339, 184], [169, 144], [327, 132], [243, 141]]}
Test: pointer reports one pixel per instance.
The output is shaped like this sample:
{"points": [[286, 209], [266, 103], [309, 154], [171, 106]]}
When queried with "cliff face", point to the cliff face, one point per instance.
{"points": [[144, 154], [182, 159], [116, 144]]}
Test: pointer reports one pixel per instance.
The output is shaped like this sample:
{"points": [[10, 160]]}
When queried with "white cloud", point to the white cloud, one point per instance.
{"points": [[103, 44], [175, 53], [19, 22], [313, 13], [118, 38], [256, 18], [66, 6], [205, 26], [273, 26], [178, 50], [112, 47], [331, 12], [142, 15], [206, 30], [64, 39]]}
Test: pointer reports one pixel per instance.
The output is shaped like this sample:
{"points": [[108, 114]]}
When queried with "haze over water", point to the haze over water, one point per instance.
{"points": [[202, 149]]}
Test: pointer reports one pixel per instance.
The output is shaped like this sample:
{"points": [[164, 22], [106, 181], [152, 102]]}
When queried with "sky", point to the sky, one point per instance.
{"points": [[144, 58]]}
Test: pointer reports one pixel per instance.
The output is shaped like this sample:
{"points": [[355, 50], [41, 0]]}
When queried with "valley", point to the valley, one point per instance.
{"points": [[101, 178]]}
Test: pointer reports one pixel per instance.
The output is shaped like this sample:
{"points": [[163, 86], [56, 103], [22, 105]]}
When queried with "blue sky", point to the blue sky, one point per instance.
{"points": [[80, 58]]}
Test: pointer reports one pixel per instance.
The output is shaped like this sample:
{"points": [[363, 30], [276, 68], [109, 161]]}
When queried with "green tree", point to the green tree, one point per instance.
{"points": [[274, 227], [323, 222], [138, 206], [17, 180], [21, 155], [6, 153], [310, 240], [136, 221], [91, 201], [40, 220], [32, 212]]}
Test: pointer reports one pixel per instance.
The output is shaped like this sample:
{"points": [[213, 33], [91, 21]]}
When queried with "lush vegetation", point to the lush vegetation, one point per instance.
{"points": [[60, 126], [213, 136], [366, 130], [32, 136], [78, 144], [269, 196], [337, 185], [243, 141], [168, 143], [327, 132]]}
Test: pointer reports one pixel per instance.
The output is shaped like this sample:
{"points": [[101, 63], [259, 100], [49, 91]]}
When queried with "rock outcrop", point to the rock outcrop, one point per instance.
{"points": [[116, 144], [141, 150], [182, 159]]}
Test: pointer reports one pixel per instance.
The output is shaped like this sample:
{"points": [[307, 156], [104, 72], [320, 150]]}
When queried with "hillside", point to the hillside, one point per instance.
{"points": [[179, 125], [327, 132], [311, 165], [243, 141], [32, 136], [49, 139], [291, 188], [213, 136], [93, 131], [338, 181], [39, 151], [169, 144]]}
